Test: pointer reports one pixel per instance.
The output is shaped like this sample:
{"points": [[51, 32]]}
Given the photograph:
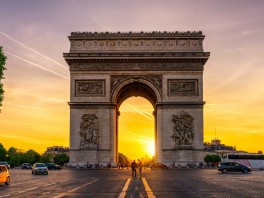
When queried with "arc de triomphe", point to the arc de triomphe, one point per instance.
{"points": [[106, 68]]}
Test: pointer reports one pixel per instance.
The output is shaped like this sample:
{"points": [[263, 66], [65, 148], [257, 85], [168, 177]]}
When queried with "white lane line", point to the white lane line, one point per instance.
{"points": [[148, 189], [34, 188], [7, 195], [56, 183], [123, 192], [70, 191]]}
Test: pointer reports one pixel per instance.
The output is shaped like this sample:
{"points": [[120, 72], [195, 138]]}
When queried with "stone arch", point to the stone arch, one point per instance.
{"points": [[135, 87], [166, 68]]}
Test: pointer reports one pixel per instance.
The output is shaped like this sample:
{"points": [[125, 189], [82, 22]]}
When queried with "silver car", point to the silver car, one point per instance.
{"points": [[39, 168]]}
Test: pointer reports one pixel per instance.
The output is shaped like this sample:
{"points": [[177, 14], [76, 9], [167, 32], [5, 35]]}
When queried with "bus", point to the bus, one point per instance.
{"points": [[255, 161]]}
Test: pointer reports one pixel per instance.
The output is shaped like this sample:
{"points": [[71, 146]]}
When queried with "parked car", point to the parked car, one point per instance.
{"points": [[5, 164], [4, 175], [53, 166], [234, 167], [26, 166], [158, 166], [39, 168]]}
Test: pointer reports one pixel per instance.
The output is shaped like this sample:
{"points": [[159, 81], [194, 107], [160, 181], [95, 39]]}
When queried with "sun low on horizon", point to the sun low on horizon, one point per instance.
{"points": [[136, 128]]}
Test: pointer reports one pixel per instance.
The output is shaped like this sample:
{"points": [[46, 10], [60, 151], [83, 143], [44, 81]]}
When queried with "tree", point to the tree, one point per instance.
{"points": [[123, 159], [61, 159], [2, 68], [32, 156], [15, 156], [214, 159], [2, 153]]}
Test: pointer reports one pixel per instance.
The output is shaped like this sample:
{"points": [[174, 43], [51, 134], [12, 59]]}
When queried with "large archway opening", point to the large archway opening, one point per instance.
{"points": [[136, 129], [136, 120]]}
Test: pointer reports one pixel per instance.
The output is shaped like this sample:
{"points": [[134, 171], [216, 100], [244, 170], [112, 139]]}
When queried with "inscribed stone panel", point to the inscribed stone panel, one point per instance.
{"points": [[183, 87], [90, 87]]}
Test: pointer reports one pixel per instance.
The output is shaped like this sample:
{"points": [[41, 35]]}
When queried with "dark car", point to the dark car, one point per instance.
{"points": [[52, 166], [5, 164], [158, 166], [39, 168], [233, 167], [26, 166]]}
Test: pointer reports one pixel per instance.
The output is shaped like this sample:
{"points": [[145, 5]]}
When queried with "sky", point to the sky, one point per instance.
{"points": [[34, 34]]}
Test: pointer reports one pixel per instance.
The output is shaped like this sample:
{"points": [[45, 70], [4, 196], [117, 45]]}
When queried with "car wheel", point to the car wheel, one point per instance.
{"points": [[244, 171], [224, 171], [7, 181]]}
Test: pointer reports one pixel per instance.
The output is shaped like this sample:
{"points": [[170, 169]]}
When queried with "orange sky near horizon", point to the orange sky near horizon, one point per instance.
{"points": [[35, 113]]}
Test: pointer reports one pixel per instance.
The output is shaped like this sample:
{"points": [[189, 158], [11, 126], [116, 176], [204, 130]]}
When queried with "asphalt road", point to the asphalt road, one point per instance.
{"points": [[118, 183]]}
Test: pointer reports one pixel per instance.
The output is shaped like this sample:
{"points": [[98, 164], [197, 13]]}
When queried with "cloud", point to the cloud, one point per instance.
{"points": [[37, 65], [35, 51]]}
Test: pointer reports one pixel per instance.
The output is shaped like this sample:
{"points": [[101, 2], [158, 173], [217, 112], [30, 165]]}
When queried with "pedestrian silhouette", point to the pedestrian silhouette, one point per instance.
{"points": [[134, 171], [140, 168]]}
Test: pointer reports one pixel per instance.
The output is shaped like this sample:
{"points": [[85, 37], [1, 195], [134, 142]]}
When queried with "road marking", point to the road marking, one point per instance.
{"points": [[56, 183], [70, 191], [123, 192], [7, 195], [148, 189], [34, 188]]}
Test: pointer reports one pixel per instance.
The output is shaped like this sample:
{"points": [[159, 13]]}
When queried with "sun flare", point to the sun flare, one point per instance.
{"points": [[136, 128]]}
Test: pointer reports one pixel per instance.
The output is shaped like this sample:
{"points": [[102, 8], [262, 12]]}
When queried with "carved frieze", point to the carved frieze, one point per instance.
{"points": [[156, 80], [182, 87], [137, 45], [171, 66], [134, 41], [183, 129], [90, 87], [89, 130]]}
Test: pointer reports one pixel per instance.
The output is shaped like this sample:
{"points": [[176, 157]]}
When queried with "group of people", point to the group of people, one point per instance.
{"points": [[134, 167]]}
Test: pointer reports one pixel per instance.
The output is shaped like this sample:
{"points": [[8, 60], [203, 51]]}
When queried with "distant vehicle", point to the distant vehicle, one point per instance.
{"points": [[26, 166], [5, 164], [233, 167], [4, 175], [39, 168], [53, 166], [158, 166], [255, 161]]}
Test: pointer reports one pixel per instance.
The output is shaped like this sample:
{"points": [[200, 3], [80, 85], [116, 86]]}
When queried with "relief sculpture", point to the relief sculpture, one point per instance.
{"points": [[89, 130], [183, 129], [183, 87], [90, 87]]}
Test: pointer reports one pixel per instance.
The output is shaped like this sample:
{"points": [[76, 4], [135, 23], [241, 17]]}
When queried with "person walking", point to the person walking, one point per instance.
{"points": [[134, 171], [140, 168]]}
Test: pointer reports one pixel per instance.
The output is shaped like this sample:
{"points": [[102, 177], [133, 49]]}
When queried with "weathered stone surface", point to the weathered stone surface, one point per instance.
{"points": [[164, 67]]}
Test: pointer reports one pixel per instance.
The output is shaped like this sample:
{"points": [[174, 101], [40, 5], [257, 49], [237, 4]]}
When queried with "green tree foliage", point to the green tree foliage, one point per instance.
{"points": [[2, 153], [61, 159], [47, 158], [32, 156], [123, 159], [2, 68], [213, 159], [14, 156]]}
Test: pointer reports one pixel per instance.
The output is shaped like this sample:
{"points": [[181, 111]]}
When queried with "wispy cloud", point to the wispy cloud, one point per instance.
{"points": [[134, 134], [140, 111], [32, 50], [37, 65]]}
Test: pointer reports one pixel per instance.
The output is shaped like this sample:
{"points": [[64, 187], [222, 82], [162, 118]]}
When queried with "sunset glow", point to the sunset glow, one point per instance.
{"points": [[35, 113], [136, 128]]}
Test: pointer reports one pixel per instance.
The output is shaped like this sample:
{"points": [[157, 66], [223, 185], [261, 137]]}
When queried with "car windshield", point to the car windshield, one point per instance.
{"points": [[3, 162], [40, 165]]}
